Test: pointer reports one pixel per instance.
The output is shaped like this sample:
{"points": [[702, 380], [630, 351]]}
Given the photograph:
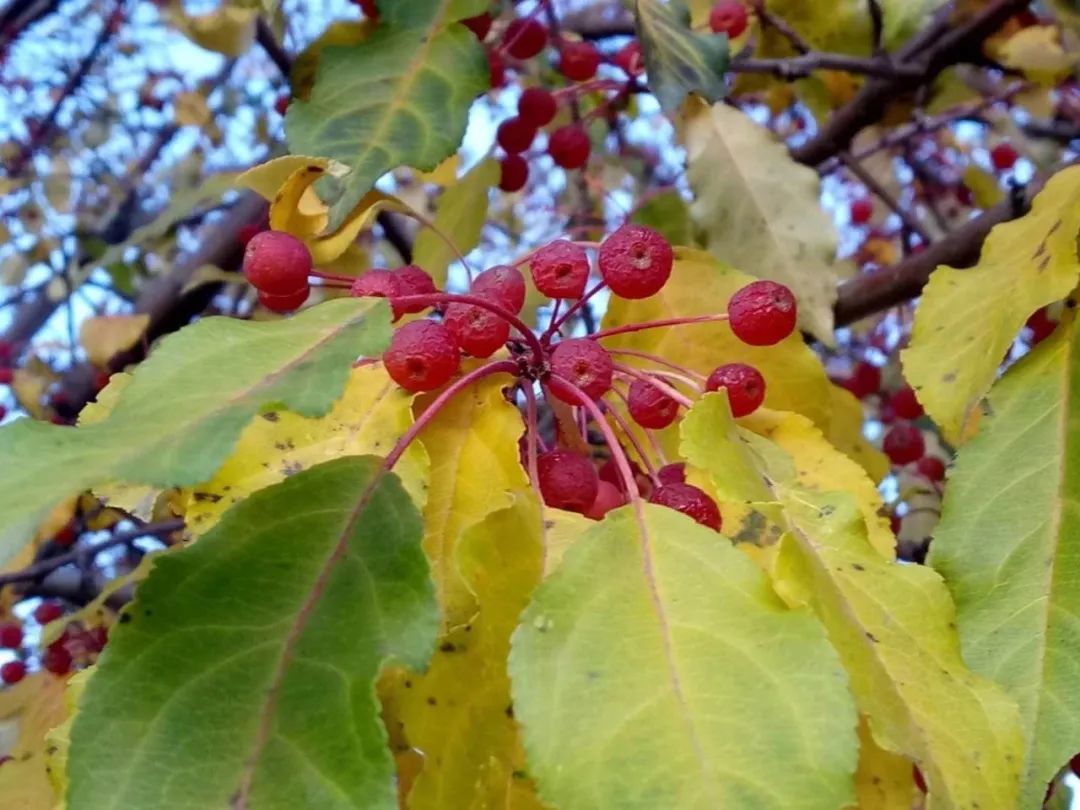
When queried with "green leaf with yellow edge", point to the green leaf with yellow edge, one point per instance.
{"points": [[759, 210], [656, 665], [1008, 544], [701, 285], [679, 60], [273, 708], [399, 98], [28, 709], [884, 781], [473, 446], [967, 319], [58, 738], [456, 711], [460, 216], [372, 413], [180, 416]]}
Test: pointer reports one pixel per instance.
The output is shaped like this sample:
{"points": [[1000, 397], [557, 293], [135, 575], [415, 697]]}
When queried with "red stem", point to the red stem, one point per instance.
{"points": [[638, 327], [553, 327], [661, 361], [650, 468], [660, 454]]}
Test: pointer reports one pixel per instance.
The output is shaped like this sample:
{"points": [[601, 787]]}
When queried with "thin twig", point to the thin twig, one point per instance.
{"points": [[871, 182], [770, 20]]}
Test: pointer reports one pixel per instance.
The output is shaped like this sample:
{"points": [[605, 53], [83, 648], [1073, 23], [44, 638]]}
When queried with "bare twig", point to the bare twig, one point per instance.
{"points": [[770, 20]]}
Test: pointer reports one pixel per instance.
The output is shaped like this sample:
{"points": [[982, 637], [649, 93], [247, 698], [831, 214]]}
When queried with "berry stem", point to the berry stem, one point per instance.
{"points": [[673, 375], [625, 427], [428, 223], [453, 298], [532, 433], [553, 327], [650, 435], [332, 276], [661, 361], [639, 327], [655, 383]]}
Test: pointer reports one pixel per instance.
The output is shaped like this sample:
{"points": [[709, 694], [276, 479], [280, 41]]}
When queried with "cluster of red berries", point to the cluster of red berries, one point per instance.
{"points": [[76, 643], [635, 262]]}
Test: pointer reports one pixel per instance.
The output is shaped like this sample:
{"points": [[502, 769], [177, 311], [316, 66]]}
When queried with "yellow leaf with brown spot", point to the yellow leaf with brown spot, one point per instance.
{"points": [[105, 335], [884, 780], [371, 414]]}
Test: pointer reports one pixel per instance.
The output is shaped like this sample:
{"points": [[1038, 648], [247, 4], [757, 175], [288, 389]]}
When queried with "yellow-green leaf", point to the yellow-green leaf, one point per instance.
{"points": [[28, 709], [228, 30], [1037, 51], [1008, 546], [967, 319], [884, 781], [758, 210]]}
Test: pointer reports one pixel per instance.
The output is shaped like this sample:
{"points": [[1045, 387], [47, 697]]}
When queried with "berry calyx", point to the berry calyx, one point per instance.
{"points": [[744, 385], [537, 106], [629, 59], [762, 313], [478, 331], [413, 280], [11, 635], [672, 473], [650, 407], [608, 497], [584, 363], [284, 303], [479, 25], [277, 263], [378, 284], [513, 173], [904, 443], [861, 210], [503, 284], [691, 501], [1004, 156], [905, 404], [422, 356], [560, 269], [865, 380], [578, 60], [48, 612], [931, 468], [728, 17], [524, 38], [635, 261], [12, 672], [567, 480], [569, 146], [515, 135]]}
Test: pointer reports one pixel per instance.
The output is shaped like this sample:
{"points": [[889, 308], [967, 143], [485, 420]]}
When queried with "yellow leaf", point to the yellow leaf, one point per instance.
{"points": [[30, 383], [473, 447], [561, 530], [759, 210], [1037, 51], [445, 174], [58, 739], [967, 319], [984, 186], [190, 109], [104, 335], [228, 30], [28, 709], [845, 433], [884, 781], [456, 712], [371, 414]]}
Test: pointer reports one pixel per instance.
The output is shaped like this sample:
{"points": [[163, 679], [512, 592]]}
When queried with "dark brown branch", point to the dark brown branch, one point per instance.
{"points": [[268, 42], [799, 67], [770, 20]]}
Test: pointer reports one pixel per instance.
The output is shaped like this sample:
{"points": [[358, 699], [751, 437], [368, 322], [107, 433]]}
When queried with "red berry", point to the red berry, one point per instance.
{"points": [[514, 173], [931, 468], [369, 9], [48, 612], [524, 38], [567, 480], [650, 407], [245, 233], [496, 69], [284, 303], [277, 263], [861, 210], [503, 284], [1040, 325], [11, 635], [422, 356], [895, 521], [66, 536], [515, 135], [905, 404], [916, 774], [7, 351], [672, 473], [635, 261], [12, 672], [560, 269], [578, 60], [728, 17], [569, 146], [479, 25], [7, 376], [281, 104], [1004, 156], [413, 280], [628, 57], [608, 497], [478, 331], [96, 637], [904, 443], [537, 106], [378, 284], [1074, 764], [56, 659], [689, 500], [865, 379], [762, 313], [582, 362], [744, 385], [609, 471]]}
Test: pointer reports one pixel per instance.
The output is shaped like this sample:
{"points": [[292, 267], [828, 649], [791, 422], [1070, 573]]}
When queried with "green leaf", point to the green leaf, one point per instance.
{"points": [[461, 214], [1008, 545], [967, 319], [678, 60], [179, 417], [243, 674], [401, 97], [657, 668], [759, 211]]}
